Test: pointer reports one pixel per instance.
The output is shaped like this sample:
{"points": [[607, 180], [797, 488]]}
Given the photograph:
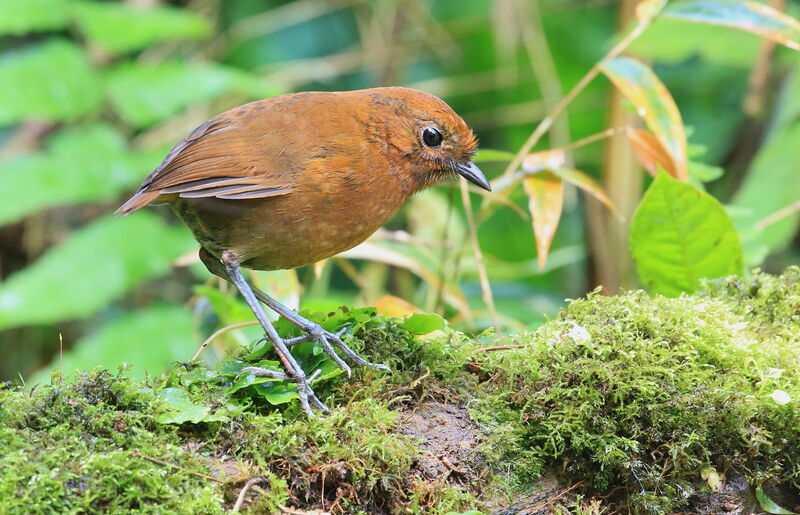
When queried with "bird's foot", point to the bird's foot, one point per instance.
{"points": [[304, 390], [316, 333]]}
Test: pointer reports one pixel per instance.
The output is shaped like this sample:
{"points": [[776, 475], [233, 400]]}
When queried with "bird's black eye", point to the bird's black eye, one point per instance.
{"points": [[431, 137]]}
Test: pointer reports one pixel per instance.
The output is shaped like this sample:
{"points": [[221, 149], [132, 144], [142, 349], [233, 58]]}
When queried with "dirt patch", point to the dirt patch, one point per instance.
{"points": [[734, 498], [448, 438]]}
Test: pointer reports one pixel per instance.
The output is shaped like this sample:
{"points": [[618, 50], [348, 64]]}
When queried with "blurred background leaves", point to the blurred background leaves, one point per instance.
{"points": [[93, 93]]}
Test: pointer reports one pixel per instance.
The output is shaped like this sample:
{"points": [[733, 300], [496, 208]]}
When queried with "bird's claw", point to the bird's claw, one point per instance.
{"points": [[304, 390], [316, 332]]}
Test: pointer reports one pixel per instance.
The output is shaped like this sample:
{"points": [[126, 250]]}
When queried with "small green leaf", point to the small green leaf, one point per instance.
{"points": [[92, 267], [22, 16], [52, 81], [680, 235], [277, 392], [82, 164], [754, 17], [768, 505], [250, 379], [144, 93], [423, 323], [179, 409], [702, 172], [119, 27]]}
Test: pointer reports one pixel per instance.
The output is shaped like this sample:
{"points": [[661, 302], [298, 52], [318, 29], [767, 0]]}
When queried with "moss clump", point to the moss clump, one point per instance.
{"points": [[187, 442], [636, 394], [647, 392], [76, 448]]}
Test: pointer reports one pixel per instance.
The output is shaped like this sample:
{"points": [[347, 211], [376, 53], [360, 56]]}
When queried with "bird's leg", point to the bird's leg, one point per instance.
{"points": [[315, 332], [293, 371]]}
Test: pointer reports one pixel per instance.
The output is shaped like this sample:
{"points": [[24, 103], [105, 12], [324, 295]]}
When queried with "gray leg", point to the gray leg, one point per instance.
{"points": [[314, 332], [293, 371]]}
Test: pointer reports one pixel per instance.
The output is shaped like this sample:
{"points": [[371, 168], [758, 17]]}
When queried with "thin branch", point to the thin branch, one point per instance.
{"points": [[219, 333], [779, 215], [593, 138], [486, 288], [157, 461], [500, 347], [250, 482]]}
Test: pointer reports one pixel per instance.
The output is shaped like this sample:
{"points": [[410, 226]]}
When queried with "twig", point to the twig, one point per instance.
{"points": [[420, 379], [598, 136], [245, 488], [486, 288], [219, 333], [352, 273], [157, 461], [61, 354], [779, 215], [566, 491], [451, 467], [500, 347], [289, 511], [439, 299]]}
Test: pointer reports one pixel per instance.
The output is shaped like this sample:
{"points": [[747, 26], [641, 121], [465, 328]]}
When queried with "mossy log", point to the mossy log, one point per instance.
{"points": [[629, 403]]}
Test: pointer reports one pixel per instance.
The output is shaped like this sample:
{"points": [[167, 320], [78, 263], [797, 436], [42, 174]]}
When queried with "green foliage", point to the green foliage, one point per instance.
{"points": [[768, 505], [97, 154], [675, 41], [96, 265], [97, 431], [647, 391], [108, 24], [681, 235], [144, 341], [423, 323], [639, 392], [78, 447], [143, 94], [748, 16], [21, 16], [179, 409], [227, 374], [759, 196], [50, 81], [79, 105]]}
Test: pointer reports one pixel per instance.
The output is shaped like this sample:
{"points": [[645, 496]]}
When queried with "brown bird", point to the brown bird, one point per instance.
{"points": [[288, 181]]}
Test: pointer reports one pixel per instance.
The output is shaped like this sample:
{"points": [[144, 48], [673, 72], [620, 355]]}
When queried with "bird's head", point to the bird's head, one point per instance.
{"points": [[432, 141]]}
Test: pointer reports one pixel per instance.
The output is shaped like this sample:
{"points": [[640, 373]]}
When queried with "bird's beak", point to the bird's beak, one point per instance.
{"points": [[473, 174]]}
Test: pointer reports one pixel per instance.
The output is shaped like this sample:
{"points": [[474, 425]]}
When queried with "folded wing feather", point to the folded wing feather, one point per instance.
{"points": [[218, 159]]}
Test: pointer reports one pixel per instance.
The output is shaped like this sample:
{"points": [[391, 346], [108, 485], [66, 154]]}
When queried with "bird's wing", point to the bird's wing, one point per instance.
{"points": [[227, 157]]}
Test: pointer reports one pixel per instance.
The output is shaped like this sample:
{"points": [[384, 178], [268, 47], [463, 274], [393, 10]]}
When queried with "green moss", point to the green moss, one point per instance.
{"points": [[629, 391], [645, 392], [73, 447]]}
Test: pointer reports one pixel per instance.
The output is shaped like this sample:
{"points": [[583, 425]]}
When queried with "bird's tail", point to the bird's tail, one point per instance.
{"points": [[140, 199]]}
